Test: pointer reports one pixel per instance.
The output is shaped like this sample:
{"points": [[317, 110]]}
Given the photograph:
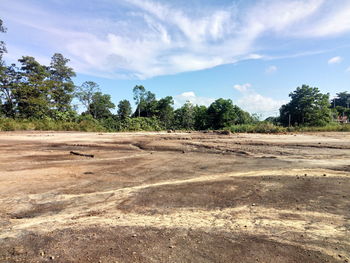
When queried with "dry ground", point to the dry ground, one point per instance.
{"points": [[190, 197]]}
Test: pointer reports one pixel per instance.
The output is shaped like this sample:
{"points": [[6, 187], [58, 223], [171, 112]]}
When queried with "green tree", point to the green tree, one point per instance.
{"points": [[342, 100], [200, 117], [101, 105], [85, 93], [32, 92], [147, 106], [61, 84], [150, 105], [222, 113], [165, 111], [124, 109], [9, 81], [184, 117], [308, 106], [139, 97]]}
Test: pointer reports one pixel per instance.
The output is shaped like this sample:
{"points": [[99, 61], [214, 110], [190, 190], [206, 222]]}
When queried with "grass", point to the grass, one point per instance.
{"points": [[47, 125], [148, 124], [266, 127]]}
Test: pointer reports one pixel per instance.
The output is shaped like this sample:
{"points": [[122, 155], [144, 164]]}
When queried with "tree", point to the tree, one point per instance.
{"points": [[222, 113], [139, 96], [61, 84], [342, 100], [2, 51], [308, 106], [200, 117], [31, 94], [2, 43], [149, 105], [86, 91], [101, 105], [124, 109], [9, 81], [184, 116], [165, 111]]}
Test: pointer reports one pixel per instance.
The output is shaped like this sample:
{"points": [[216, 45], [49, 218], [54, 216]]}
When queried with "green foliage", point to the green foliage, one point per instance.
{"points": [[47, 124], [9, 82], [342, 99], [262, 127], [200, 117], [101, 105], [222, 113], [139, 97], [141, 124], [308, 107], [124, 109], [165, 111], [32, 93], [184, 117], [86, 91], [60, 83]]}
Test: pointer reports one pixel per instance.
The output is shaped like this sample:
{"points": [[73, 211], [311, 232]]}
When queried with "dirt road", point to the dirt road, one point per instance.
{"points": [[179, 197]]}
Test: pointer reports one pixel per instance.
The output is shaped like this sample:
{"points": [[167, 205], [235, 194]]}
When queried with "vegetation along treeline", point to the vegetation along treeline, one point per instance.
{"points": [[35, 96]]}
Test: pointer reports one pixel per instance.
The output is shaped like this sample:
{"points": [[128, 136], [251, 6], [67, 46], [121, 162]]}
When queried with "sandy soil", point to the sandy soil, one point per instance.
{"points": [[179, 197]]}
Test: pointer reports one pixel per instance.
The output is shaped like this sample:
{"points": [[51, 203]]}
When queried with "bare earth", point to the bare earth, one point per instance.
{"points": [[179, 197]]}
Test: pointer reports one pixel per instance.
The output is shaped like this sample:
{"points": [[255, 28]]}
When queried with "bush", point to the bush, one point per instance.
{"points": [[261, 127], [140, 124]]}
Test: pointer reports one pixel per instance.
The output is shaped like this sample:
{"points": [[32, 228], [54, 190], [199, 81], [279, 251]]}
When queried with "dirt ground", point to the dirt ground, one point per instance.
{"points": [[174, 197]]}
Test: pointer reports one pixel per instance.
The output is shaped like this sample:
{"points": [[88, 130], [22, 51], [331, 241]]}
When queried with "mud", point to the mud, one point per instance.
{"points": [[179, 197]]}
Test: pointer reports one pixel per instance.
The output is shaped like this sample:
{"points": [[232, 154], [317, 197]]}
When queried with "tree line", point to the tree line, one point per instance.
{"points": [[31, 90]]}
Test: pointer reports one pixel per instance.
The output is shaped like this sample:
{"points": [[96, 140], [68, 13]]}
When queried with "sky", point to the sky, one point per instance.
{"points": [[254, 52]]}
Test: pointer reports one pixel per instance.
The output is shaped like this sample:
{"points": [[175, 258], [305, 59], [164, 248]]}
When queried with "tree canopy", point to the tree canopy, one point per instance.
{"points": [[222, 113], [308, 106]]}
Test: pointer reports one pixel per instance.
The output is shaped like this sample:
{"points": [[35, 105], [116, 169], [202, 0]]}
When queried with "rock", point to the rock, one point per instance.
{"points": [[42, 253], [52, 257]]}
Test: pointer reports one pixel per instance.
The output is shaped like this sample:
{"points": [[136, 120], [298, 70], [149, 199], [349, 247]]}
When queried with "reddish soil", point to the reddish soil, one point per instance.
{"points": [[179, 197]]}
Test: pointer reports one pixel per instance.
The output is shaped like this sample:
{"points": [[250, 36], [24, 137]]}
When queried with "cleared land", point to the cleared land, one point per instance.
{"points": [[189, 197]]}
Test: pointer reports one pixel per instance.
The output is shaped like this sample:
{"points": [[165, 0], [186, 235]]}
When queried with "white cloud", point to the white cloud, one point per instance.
{"points": [[348, 69], [335, 20], [254, 102], [270, 69], [243, 87], [335, 60], [154, 38], [190, 96]]}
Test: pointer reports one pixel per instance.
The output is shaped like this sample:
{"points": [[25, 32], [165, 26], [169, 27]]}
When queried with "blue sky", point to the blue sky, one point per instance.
{"points": [[253, 52]]}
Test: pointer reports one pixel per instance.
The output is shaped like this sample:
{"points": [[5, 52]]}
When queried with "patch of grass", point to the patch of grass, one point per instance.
{"points": [[267, 127], [7, 124]]}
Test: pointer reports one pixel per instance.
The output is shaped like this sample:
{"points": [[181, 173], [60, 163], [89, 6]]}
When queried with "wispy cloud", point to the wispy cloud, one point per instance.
{"points": [[190, 96], [243, 87], [254, 102], [143, 39], [347, 70], [270, 69], [335, 60]]}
